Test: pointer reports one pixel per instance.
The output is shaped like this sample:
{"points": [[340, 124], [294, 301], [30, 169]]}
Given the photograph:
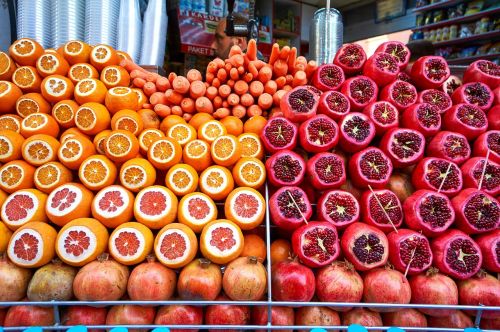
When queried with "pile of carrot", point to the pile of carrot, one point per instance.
{"points": [[242, 85]]}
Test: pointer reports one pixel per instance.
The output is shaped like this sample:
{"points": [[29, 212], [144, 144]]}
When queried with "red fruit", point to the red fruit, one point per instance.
{"points": [[496, 94], [433, 287], [489, 244], [476, 211], [400, 184], [405, 318], [378, 206], [318, 134], [339, 282], [483, 71], [334, 105], [451, 84], [468, 120], [223, 314], [398, 50], [131, 315], [299, 104], [405, 147], [401, 94], [490, 140], [338, 207], [14, 280], [280, 316], [316, 244], [360, 90], [475, 93], [363, 317], [450, 146], [84, 315], [279, 133], [326, 171], [430, 72], [29, 315], [316, 316], [472, 172], [351, 58], [403, 76], [245, 279], [284, 168], [490, 324], [178, 314], [151, 281], [482, 289], [382, 67], [384, 285], [328, 77], [3, 312], [52, 282], [428, 212], [370, 167], [283, 208], [424, 118], [494, 118], [356, 132], [407, 247], [292, 281], [435, 97], [456, 254], [455, 319], [365, 246], [383, 115], [200, 280], [439, 175]]}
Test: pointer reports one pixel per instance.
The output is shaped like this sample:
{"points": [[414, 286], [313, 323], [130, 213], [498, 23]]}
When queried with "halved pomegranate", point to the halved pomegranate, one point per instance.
{"points": [[382, 67], [279, 133], [360, 90], [299, 104], [435, 97], [318, 134], [430, 72], [397, 49], [424, 118], [438, 174], [484, 71], [490, 244], [450, 146], [356, 132], [328, 77], [400, 94], [475, 173], [382, 209], [334, 104], [494, 118], [405, 147], [409, 250], [338, 207], [476, 211], [370, 167], [326, 171], [351, 58], [475, 93], [451, 84], [490, 140], [288, 208], [383, 115], [316, 244], [468, 120], [285, 167]]}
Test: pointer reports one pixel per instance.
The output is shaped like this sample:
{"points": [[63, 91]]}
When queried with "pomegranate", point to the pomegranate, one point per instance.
{"points": [[299, 104], [363, 317], [245, 279], [360, 91], [316, 316], [318, 134], [476, 211], [292, 281], [3, 312], [397, 49], [455, 320], [490, 140], [326, 171], [151, 281], [403, 76], [288, 208], [356, 132], [405, 318], [328, 77], [334, 105], [437, 98], [279, 133], [385, 285], [382, 67], [339, 208], [424, 118], [430, 72], [472, 171], [200, 280], [28, 315], [14, 280], [490, 245], [223, 314], [480, 289], [400, 184], [468, 120], [405, 147], [179, 315], [370, 167], [383, 115], [351, 58], [280, 316], [401, 94], [131, 315], [490, 324], [316, 243], [438, 174], [52, 282], [382, 209], [475, 93], [285, 168], [451, 84], [409, 251], [450, 146], [494, 118], [483, 71], [84, 315]]}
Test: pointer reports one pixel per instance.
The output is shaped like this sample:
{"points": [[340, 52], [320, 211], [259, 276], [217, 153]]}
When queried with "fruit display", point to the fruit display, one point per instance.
{"points": [[379, 183]]}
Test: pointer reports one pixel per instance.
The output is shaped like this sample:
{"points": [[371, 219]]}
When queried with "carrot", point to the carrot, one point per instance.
{"points": [[152, 77], [275, 112], [171, 77], [187, 105], [241, 87], [216, 82], [246, 100], [148, 106], [233, 99], [137, 73], [287, 88], [130, 65], [204, 105], [275, 53], [224, 90], [222, 74], [248, 77], [193, 75], [265, 101], [209, 77], [162, 84], [280, 68], [256, 88], [187, 116], [197, 89], [217, 102], [225, 104], [158, 98], [173, 97], [228, 67], [280, 82], [259, 64], [230, 83], [284, 52], [177, 110], [252, 69], [300, 66], [239, 111], [241, 70], [138, 82], [239, 60], [211, 92], [219, 62], [233, 73], [300, 78], [212, 67], [277, 97], [181, 84], [265, 74], [311, 67], [235, 49], [149, 88], [289, 79], [221, 113], [254, 110], [292, 57], [270, 87], [252, 50], [162, 110]]}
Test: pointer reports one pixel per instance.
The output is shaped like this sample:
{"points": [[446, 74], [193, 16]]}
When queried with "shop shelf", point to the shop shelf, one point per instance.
{"points": [[437, 5], [473, 58], [462, 19], [492, 35]]}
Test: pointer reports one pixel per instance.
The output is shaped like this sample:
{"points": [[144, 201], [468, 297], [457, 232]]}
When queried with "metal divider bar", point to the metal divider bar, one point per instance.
{"points": [[268, 256]]}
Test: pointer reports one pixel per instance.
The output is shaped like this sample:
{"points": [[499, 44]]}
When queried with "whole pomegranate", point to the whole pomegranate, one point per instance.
{"points": [[316, 316], [280, 316], [363, 317], [3, 312], [385, 285], [200, 280], [179, 315], [482, 289], [52, 282], [245, 279], [151, 281], [131, 315], [405, 318], [223, 314], [456, 319], [292, 281], [83, 315], [28, 315], [14, 280]]}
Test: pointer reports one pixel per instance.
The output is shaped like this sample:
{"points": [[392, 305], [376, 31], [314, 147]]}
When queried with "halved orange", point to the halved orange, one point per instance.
{"points": [[225, 150], [217, 182], [40, 149], [102, 56], [9, 94], [155, 207], [52, 63], [115, 76], [39, 123], [27, 79], [120, 98], [127, 119], [196, 210], [249, 172], [200, 118], [25, 51], [170, 121], [175, 245], [113, 206], [137, 174], [251, 145], [68, 202], [141, 97], [147, 137], [51, 175], [99, 141], [11, 144], [245, 207], [81, 71], [90, 90], [164, 153], [74, 150], [130, 243], [71, 132], [97, 172], [121, 145], [7, 67], [182, 133], [92, 118], [210, 130], [64, 113], [123, 55], [23, 206], [221, 241], [56, 88], [32, 245], [16, 175], [182, 179], [5, 235], [197, 154], [32, 103], [10, 122], [76, 51]]}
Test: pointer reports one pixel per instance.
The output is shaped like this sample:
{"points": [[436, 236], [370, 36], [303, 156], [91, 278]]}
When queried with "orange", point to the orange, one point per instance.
{"points": [[32, 103], [68, 202], [254, 246], [75, 150], [5, 235], [16, 175], [136, 174], [245, 207], [92, 118], [7, 67], [121, 145], [10, 145], [164, 153], [197, 154], [200, 118], [210, 130], [9, 94], [251, 145], [149, 118], [71, 132], [182, 133], [281, 250], [27, 79], [22, 207], [113, 206], [141, 97], [56, 88], [155, 207], [225, 150], [40, 149], [114, 76], [99, 140], [123, 55], [120, 98], [221, 241], [64, 113], [255, 124], [175, 245], [249, 172], [10, 122], [130, 243], [217, 182], [81, 71], [196, 210], [90, 90], [147, 137], [32, 245], [97, 172], [76, 51], [182, 179], [25, 51], [170, 121], [39, 123], [52, 63], [102, 56], [234, 125], [128, 120], [51, 175]]}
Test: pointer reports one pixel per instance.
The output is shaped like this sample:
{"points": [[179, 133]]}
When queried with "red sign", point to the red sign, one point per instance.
{"points": [[197, 32]]}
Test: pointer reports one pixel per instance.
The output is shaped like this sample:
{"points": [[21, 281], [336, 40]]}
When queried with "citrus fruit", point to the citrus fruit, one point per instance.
{"points": [[56, 88], [200, 118], [7, 67], [64, 113], [5, 235], [3, 197], [221, 241], [113, 76], [25, 51], [32, 245], [113, 206], [27, 79], [92, 118], [40, 149], [51, 63], [170, 121], [10, 122], [141, 97], [123, 55], [120, 98], [68, 202], [16, 175], [281, 250], [197, 154], [22, 207], [255, 124], [251, 145], [51, 175], [121, 145], [147, 137], [102, 56], [39, 123], [155, 206], [97, 172], [182, 133], [196, 210], [245, 207], [149, 118], [10, 145], [81, 71], [32, 103], [71, 132], [76, 51], [234, 125], [210, 130], [99, 140], [249, 172], [90, 90], [254, 246], [182, 179], [225, 150], [175, 245], [164, 153], [217, 182], [130, 243], [136, 174], [127, 119], [81, 241], [9, 94], [74, 150]]}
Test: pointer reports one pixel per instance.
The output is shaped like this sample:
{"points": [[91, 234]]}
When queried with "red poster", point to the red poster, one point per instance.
{"points": [[197, 32]]}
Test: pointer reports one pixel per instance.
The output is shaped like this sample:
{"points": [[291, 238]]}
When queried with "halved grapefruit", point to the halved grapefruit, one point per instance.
{"points": [[155, 206], [130, 243], [175, 245]]}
